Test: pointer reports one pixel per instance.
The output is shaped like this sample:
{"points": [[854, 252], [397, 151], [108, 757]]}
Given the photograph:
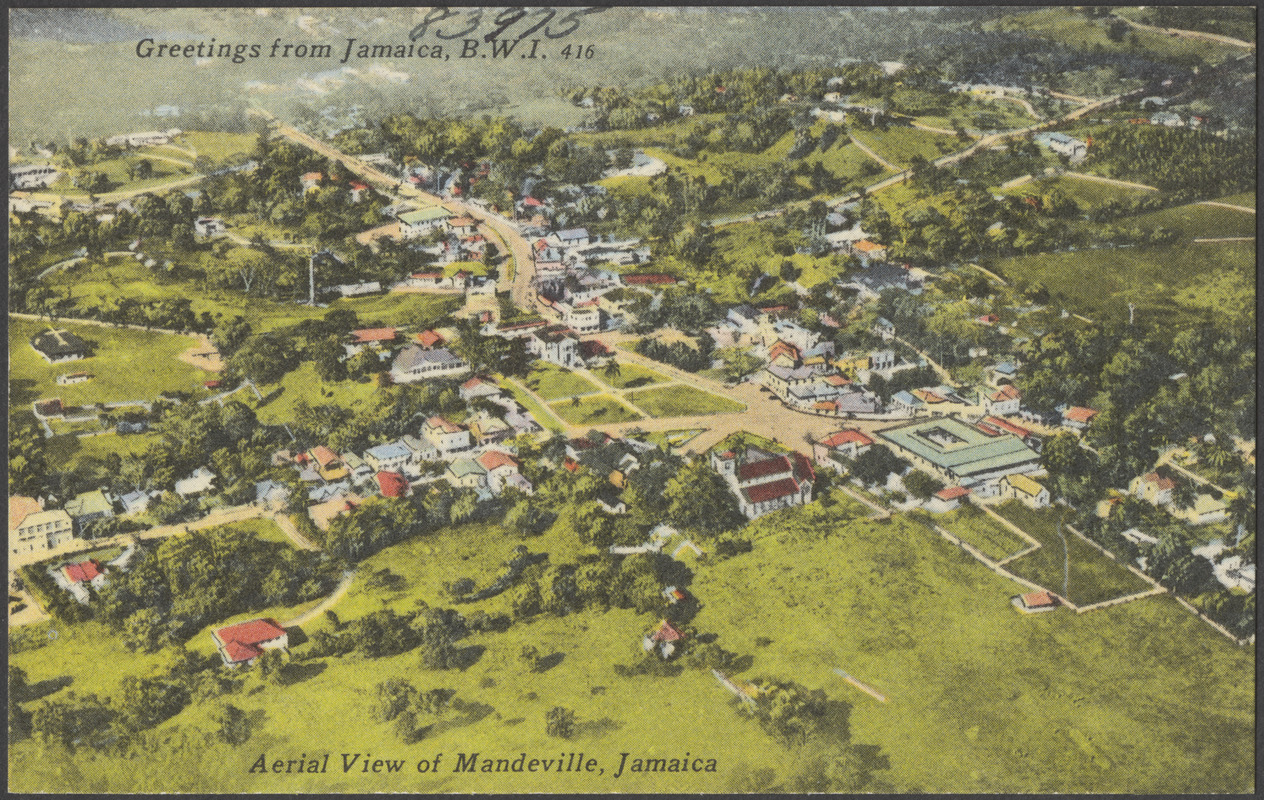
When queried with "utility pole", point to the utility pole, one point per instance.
{"points": [[1131, 309], [311, 280]]}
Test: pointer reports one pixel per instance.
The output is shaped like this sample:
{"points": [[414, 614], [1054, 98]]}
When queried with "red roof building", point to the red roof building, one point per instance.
{"points": [[783, 348], [1037, 601], [392, 484], [773, 490], [324, 456], [1078, 415], [648, 279], [666, 633], [949, 493], [83, 572], [1006, 425], [429, 339], [754, 470], [847, 436], [244, 642], [374, 335], [494, 459]]}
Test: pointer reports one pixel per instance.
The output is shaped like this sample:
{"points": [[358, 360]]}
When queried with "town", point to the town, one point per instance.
{"points": [[340, 388]]}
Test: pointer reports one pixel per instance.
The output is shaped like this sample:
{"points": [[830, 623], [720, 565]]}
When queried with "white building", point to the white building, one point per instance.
{"points": [[415, 363], [447, 437]]}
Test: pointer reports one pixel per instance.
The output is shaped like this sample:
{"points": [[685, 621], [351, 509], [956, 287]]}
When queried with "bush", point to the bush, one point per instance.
{"points": [[560, 723]]}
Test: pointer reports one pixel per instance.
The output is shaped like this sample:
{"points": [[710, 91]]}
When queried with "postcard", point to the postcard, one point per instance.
{"points": [[632, 400]]}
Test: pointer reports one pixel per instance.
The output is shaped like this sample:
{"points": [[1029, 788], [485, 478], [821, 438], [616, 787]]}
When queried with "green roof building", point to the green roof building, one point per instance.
{"points": [[959, 453]]}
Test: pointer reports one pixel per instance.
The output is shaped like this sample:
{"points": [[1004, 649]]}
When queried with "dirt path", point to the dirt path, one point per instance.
{"points": [[1184, 34], [323, 605], [300, 541], [203, 355], [1218, 204], [864, 149], [1111, 181]]}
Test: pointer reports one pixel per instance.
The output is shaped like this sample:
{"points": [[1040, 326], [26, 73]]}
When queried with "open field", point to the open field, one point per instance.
{"points": [[992, 538], [630, 376], [553, 382], [1245, 199], [899, 144], [1093, 577], [541, 412], [217, 146], [127, 365], [1198, 221], [65, 452], [594, 410], [116, 170], [1086, 193], [304, 384], [682, 401], [1214, 277]]}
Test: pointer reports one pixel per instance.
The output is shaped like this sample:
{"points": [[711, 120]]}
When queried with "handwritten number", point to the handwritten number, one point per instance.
{"points": [[573, 19], [474, 18], [437, 14], [548, 15], [504, 20]]}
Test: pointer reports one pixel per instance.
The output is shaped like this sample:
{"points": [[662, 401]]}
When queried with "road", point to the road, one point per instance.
{"points": [[1184, 34], [1218, 204], [1111, 181], [323, 605], [882, 161]]}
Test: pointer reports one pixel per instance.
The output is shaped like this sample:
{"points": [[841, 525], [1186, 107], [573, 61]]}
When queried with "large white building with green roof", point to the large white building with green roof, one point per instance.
{"points": [[961, 454], [422, 221]]}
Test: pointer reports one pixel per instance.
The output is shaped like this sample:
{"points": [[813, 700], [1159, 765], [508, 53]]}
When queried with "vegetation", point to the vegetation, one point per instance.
{"points": [[682, 401]]}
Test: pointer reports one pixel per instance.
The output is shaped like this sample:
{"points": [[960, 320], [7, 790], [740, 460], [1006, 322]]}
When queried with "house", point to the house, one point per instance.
{"points": [[555, 344], [447, 437], [358, 289], [478, 387], [905, 402], [429, 339], [1002, 374], [32, 176], [421, 452], [56, 346], [883, 329], [32, 529], [782, 379], [199, 481], [664, 638], [1167, 119], [1206, 509], [1078, 417], [1067, 146], [414, 224], [947, 498], [242, 643], [329, 464], [847, 443], [89, 572], [674, 595], [271, 494], [774, 330], [90, 506], [390, 457], [415, 363], [487, 429], [209, 226], [371, 337], [763, 481], [746, 318], [499, 467], [357, 190], [136, 502], [71, 378], [1152, 487], [124, 428], [392, 484], [466, 473], [358, 470], [783, 354], [1004, 400], [868, 250], [461, 226], [882, 359], [958, 453], [310, 180], [1035, 602], [572, 237], [1021, 487]]}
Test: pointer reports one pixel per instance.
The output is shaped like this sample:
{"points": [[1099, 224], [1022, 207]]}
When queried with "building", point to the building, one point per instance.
{"points": [[370, 337], [947, 499], [390, 457], [883, 329], [1035, 602], [199, 481], [329, 464], [478, 387], [242, 643], [1004, 400], [663, 638], [392, 484], [763, 481], [1067, 146], [555, 344], [32, 176], [782, 379], [869, 251], [499, 467], [415, 363], [447, 437], [461, 226], [71, 378], [1078, 417], [1206, 509], [90, 572], [466, 473], [271, 495], [958, 453], [89, 507], [573, 237], [209, 226], [414, 224], [847, 443], [1021, 487], [32, 529], [57, 346], [905, 402], [1152, 487]]}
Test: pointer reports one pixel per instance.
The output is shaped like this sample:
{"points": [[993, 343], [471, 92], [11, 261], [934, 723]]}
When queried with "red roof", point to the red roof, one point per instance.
{"points": [[392, 484], [461, 222], [429, 338], [1161, 483], [1006, 392], [989, 319], [1005, 424], [570, 464], [241, 640], [21, 507], [952, 492], [783, 347], [847, 436], [312, 176], [772, 490], [368, 335], [667, 633], [762, 469], [591, 347], [803, 469], [493, 459], [648, 278], [866, 246], [531, 201], [1079, 414], [323, 455], [357, 186], [83, 571], [211, 384], [1039, 600]]}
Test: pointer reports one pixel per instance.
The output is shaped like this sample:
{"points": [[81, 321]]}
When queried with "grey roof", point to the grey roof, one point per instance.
{"points": [[414, 356], [58, 343], [387, 451]]}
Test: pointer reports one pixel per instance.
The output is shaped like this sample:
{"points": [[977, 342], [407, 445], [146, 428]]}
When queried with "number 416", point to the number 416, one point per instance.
{"points": [[578, 51]]}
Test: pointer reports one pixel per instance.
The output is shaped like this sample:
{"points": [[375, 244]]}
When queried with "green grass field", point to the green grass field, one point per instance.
{"points": [[594, 410], [127, 365], [538, 410], [115, 169], [217, 146], [1244, 199], [992, 538], [899, 144], [304, 384], [1215, 277], [1198, 222], [682, 401], [65, 452], [1086, 193], [630, 375], [553, 382], [1092, 578]]}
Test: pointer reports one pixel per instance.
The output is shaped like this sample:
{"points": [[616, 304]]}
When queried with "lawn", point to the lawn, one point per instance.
{"points": [[1092, 577], [552, 382], [304, 384], [1086, 193], [1244, 199], [599, 409], [682, 401], [127, 365], [1197, 221], [972, 525], [66, 452], [538, 410], [218, 146], [116, 170], [1215, 277], [899, 144], [630, 376]]}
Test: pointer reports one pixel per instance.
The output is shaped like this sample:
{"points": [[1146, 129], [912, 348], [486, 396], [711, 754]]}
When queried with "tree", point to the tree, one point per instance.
{"points": [[234, 725], [612, 369], [921, 485], [560, 722], [263, 359], [875, 464], [1116, 29], [699, 500], [1189, 574], [394, 696]]}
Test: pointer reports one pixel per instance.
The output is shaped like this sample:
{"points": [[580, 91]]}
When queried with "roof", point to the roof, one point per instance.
{"points": [[387, 451], [1038, 600], [1006, 392], [1006, 425], [666, 633], [1024, 484], [311, 176], [241, 640], [866, 246], [950, 444], [466, 466], [1160, 482], [847, 436], [772, 490], [429, 337], [905, 398], [424, 215], [461, 222], [761, 469], [323, 455], [1079, 414], [573, 233], [58, 343], [83, 571], [392, 484], [374, 335], [413, 355], [19, 508], [444, 425], [493, 459], [93, 502], [952, 492]]}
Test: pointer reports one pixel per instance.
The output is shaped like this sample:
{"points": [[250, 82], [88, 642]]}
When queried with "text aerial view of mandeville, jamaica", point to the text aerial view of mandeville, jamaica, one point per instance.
{"points": [[632, 400]]}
